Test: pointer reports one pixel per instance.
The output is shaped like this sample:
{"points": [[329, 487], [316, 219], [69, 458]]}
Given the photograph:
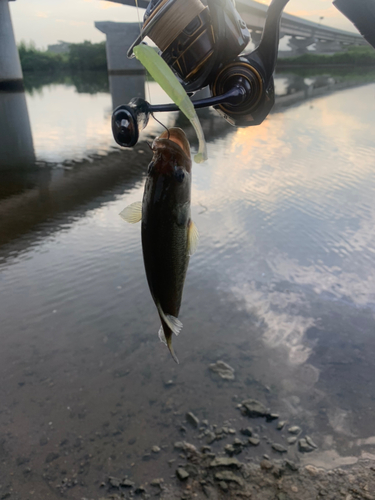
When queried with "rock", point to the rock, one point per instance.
{"points": [[127, 483], [192, 419], [157, 482], [272, 416], [155, 449], [179, 445], [280, 425], [51, 457], [139, 490], [313, 471], [304, 447], [291, 440], [254, 441], [253, 408], [292, 466], [228, 476], [310, 442], [225, 462], [237, 443], [114, 482], [266, 465], [278, 447], [229, 450], [182, 474], [222, 369], [223, 486], [294, 429], [210, 437], [206, 449], [231, 431], [248, 431]]}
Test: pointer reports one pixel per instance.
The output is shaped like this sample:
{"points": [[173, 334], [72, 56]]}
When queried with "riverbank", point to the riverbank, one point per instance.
{"points": [[200, 473], [353, 57]]}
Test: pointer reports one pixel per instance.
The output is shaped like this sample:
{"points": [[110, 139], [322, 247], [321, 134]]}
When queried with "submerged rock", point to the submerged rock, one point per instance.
{"points": [[254, 441], [225, 462], [294, 429], [248, 431], [280, 425], [310, 442], [222, 369], [228, 476], [253, 408], [291, 440], [278, 447], [182, 474], [192, 419], [304, 447]]}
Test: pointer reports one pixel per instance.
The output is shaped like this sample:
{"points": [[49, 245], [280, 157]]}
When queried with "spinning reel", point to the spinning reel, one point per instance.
{"points": [[202, 41]]}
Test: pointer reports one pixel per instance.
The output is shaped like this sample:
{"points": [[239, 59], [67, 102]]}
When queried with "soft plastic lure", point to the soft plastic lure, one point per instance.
{"points": [[163, 75]]}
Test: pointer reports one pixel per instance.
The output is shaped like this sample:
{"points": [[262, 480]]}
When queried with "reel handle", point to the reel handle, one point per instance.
{"points": [[129, 119]]}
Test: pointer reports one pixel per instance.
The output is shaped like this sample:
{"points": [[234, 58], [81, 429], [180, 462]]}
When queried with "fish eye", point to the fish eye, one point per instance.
{"points": [[179, 174], [150, 168]]}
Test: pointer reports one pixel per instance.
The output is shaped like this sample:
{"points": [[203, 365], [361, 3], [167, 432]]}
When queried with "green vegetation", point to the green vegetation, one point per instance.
{"points": [[355, 56], [81, 56]]}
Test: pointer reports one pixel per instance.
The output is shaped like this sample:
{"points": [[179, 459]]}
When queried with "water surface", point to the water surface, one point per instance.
{"points": [[282, 288]]}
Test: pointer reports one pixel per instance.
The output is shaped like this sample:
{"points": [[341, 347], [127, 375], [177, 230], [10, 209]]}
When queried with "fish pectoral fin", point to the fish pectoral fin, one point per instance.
{"points": [[162, 336], [193, 238], [132, 213]]}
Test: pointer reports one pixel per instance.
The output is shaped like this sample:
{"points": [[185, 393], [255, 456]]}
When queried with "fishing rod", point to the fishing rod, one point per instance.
{"points": [[202, 41]]}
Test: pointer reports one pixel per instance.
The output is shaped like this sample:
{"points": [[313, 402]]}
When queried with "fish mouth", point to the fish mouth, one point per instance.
{"points": [[178, 136]]}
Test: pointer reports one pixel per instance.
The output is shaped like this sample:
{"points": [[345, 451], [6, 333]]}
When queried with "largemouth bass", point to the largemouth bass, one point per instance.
{"points": [[169, 236]]}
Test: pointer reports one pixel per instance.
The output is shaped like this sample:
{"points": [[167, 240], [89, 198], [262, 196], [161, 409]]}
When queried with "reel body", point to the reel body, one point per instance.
{"points": [[201, 41]]}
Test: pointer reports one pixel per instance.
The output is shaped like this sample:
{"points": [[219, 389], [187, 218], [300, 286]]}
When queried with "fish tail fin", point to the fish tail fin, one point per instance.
{"points": [[167, 340], [169, 344]]}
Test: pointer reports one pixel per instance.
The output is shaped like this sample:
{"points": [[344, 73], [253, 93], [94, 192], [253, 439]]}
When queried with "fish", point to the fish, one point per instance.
{"points": [[169, 236]]}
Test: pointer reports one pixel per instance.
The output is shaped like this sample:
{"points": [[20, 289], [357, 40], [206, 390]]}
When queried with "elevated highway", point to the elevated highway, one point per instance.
{"points": [[303, 33]]}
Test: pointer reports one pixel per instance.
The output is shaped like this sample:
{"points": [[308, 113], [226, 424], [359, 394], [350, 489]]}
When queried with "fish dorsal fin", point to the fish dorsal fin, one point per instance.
{"points": [[132, 213], [193, 238]]}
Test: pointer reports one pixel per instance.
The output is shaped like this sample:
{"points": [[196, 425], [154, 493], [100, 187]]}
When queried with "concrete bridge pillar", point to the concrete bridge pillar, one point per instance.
{"points": [[299, 46], [16, 143], [329, 47], [126, 76]]}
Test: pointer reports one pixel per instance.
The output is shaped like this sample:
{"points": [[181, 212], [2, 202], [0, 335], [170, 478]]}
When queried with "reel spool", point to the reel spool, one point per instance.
{"points": [[194, 38]]}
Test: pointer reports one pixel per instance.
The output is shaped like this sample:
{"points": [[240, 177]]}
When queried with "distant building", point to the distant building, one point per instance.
{"points": [[59, 48]]}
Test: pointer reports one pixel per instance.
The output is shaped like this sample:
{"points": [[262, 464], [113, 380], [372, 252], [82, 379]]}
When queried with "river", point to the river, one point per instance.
{"points": [[282, 288]]}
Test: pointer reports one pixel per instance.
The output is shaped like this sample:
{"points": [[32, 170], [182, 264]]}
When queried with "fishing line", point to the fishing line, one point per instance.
{"points": [[140, 31], [162, 124]]}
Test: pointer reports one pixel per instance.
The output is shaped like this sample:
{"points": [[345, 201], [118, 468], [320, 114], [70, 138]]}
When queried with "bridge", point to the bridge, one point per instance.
{"points": [[303, 33]]}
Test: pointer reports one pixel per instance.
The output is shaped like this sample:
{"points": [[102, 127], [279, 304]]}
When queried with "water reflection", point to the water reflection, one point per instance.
{"points": [[16, 142], [70, 114]]}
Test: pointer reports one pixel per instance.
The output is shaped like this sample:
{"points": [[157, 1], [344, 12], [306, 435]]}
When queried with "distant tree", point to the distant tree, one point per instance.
{"points": [[87, 56], [34, 60]]}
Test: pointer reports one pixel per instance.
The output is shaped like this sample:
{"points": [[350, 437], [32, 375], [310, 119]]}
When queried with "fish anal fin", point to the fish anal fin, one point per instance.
{"points": [[193, 238], [174, 323], [132, 213]]}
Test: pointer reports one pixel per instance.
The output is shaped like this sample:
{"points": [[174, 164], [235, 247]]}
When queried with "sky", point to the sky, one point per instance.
{"points": [[46, 21]]}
